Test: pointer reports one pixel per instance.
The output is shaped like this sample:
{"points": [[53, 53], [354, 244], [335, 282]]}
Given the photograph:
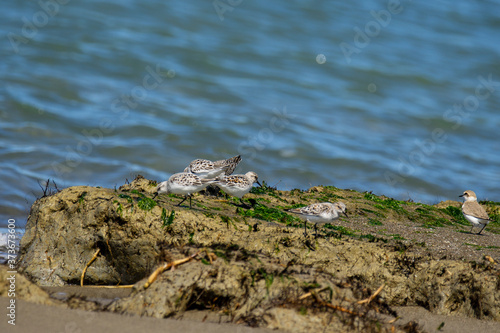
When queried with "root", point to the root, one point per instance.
{"points": [[87, 266], [335, 307], [152, 278], [309, 294], [369, 299]]}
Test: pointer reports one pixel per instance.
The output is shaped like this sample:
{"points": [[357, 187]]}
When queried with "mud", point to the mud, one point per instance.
{"points": [[256, 267]]}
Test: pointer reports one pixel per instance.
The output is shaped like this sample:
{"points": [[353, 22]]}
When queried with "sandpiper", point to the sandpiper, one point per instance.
{"points": [[209, 169], [320, 213], [237, 185], [183, 183]]}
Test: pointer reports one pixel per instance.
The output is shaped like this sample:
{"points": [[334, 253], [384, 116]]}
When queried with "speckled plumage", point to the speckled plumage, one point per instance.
{"points": [[183, 183], [237, 185], [208, 169], [320, 213], [473, 211]]}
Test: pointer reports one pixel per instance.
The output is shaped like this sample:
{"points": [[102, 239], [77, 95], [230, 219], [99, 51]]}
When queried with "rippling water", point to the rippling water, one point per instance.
{"points": [[401, 99]]}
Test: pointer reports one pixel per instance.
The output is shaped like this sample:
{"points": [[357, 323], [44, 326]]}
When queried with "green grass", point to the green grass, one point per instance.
{"points": [[397, 237], [202, 206], [341, 229], [377, 214], [167, 221], [430, 219], [371, 238], [227, 220], [456, 214], [330, 188], [489, 203], [434, 222], [374, 222], [81, 198], [389, 203], [264, 189], [119, 210], [125, 196], [265, 213], [479, 247], [210, 215], [330, 197], [146, 203]]}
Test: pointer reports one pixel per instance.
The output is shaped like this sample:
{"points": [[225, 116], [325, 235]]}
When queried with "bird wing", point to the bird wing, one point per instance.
{"points": [[200, 165], [314, 209], [229, 165], [476, 210], [187, 179], [232, 180]]}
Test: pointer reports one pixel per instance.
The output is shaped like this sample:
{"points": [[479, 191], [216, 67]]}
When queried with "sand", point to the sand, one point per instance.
{"points": [[32, 317], [42, 318]]}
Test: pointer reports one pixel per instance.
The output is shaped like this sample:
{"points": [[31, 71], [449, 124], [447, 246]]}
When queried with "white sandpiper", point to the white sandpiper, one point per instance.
{"points": [[209, 169], [183, 183], [320, 213], [473, 211], [237, 185]]}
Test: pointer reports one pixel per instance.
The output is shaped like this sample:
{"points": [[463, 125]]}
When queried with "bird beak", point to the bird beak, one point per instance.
{"points": [[156, 194], [345, 213], [461, 195], [258, 183]]}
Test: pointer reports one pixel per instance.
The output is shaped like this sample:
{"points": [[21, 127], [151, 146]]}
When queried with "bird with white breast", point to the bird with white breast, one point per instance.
{"points": [[473, 211]]}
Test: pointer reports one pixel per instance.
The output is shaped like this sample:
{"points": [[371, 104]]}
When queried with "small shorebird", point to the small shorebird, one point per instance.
{"points": [[319, 213], [473, 211], [237, 185], [209, 169], [183, 183]]}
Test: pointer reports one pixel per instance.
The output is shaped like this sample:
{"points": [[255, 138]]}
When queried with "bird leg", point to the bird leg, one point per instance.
{"points": [[470, 232], [185, 197], [481, 229], [244, 204]]}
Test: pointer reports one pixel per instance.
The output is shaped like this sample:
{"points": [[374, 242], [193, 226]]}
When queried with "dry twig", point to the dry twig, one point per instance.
{"points": [[369, 299], [87, 266], [309, 294], [152, 278], [335, 307]]}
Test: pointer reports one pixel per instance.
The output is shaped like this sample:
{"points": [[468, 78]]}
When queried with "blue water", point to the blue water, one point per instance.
{"points": [[363, 95]]}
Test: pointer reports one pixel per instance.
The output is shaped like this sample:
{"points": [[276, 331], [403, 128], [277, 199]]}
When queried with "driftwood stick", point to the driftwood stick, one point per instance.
{"points": [[369, 299], [87, 266], [166, 266], [335, 307], [309, 294]]}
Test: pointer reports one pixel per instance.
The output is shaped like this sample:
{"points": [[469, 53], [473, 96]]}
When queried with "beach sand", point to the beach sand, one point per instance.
{"points": [[32, 317]]}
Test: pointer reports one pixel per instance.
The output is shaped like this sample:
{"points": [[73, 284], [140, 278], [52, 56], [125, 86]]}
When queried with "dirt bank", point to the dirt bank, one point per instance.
{"points": [[256, 267]]}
